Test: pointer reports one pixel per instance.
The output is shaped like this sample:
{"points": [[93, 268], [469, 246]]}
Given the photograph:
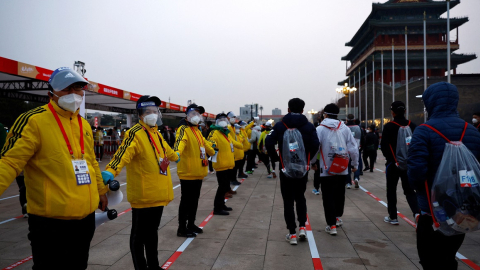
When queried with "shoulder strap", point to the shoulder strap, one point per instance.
{"points": [[338, 127], [409, 122], [285, 125], [443, 136]]}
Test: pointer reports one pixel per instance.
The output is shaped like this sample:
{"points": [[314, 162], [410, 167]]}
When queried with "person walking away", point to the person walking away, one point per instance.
{"points": [[293, 185], [357, 133], [337, 147], [223, 161], [193, 148], [371, 147], [147, 156], [264, 152], [435, 250], [392, 172], [47, 143], [476, 120]]}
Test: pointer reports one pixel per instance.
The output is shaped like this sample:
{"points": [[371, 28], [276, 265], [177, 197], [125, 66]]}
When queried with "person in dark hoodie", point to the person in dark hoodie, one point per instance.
{"points": [[293, 190], [371, 147], [435, 250], [392, 172]]}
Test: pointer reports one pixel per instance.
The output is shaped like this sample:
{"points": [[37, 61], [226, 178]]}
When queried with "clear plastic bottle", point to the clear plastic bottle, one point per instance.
{"points": [[442, 218]]}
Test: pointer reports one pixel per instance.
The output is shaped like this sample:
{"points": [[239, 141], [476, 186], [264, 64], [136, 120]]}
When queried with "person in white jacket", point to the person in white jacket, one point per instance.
{"points": [[252, 153], [332, 178]]}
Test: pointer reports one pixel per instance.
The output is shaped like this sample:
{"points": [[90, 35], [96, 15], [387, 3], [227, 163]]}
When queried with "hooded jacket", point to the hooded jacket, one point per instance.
{"points": [[36, 144], [323, 133], [426, 149], [146, 186], [390, 135], [187, 144], [254, 137], [292, 120], [224, 142]]}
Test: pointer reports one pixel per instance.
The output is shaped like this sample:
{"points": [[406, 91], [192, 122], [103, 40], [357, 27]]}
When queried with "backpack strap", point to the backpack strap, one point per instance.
{"points": [[443, 136], [393, 154], [409, 122], [337, 128], [285, 125], [435, 222], [324, 164]]}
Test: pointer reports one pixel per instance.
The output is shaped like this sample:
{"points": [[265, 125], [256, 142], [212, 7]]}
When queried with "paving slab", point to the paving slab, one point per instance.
{"points": [[374, 256], [246, 241], [239, 262]]}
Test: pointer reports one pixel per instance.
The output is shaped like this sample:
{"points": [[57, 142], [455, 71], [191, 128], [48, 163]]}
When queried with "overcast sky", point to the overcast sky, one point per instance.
{"points": [[222, 54]]}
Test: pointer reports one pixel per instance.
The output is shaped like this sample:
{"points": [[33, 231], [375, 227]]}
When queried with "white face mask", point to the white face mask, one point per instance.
{"points": [[474, 120], [70, 102], [195, 120], [232, 120], [368, 131], [150, 119], [222, 124]]}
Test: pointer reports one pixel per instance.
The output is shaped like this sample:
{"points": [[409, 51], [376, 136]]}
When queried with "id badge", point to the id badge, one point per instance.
{"points": [[163, 162], [80, 168], [202, 153], [231, 147]]}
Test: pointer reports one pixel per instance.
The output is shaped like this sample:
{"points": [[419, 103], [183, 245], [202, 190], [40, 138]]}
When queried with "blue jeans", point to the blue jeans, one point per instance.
{"points": [[356, 175]]}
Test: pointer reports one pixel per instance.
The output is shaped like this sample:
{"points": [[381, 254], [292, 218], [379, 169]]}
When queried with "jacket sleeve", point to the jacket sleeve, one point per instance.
{"points": [[418, 156], [252, 136], [125, 153], [181, 140], [211, 137], [208, 148], [236, 143], [171, 155], [22, 143], [352, 148], [270, 141]]}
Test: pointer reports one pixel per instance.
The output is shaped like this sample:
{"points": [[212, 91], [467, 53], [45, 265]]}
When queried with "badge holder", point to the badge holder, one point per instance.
{"points": [[163, 162]]}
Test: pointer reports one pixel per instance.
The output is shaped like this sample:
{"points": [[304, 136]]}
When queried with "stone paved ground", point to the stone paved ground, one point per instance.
{"points": [[252, 237]]}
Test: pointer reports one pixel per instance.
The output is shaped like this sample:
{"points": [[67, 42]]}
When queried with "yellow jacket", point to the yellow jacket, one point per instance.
{"points": [[146, 187], [36, 145], [261, 142], [246, 143], [239, 154], [187, 145], [225, 156]]}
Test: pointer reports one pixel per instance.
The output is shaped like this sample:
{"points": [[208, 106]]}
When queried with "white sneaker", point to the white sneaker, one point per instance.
{"points": [[356, 183], [417, 216], [349, 186], [339, 222], [332, 230], [387, 219], [316, 192], [302, 233], [270, 175], [291, 238]]}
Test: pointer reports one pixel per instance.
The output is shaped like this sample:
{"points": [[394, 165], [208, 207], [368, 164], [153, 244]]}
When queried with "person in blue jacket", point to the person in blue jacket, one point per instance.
{"points": [[435, 250]]}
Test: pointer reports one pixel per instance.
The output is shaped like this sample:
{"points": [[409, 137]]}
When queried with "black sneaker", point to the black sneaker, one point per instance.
{"points": [[242, 176], [366, 169], [194, 228], [226, 208], [184, 232], [235, 183], [221, 213]]}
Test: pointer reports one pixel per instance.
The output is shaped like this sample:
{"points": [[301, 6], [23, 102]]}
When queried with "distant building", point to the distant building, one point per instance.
{"points": [[276, 111], [247, 111]]}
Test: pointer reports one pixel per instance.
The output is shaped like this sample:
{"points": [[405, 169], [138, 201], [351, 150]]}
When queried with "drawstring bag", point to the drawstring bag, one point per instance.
{"points": [[293, 157], [404, 138], [356, 133], [455, 194], [337, 152]]}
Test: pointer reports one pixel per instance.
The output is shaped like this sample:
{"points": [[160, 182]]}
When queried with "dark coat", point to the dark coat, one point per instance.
{"points": [[389, 137], [426, 150]]}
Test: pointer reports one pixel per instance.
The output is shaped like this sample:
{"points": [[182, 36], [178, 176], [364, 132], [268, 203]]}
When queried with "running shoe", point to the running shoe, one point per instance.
{"points": [[249, 172], [316, 192], [332, 230], [349, 186], [274, 175], [339, 222], [292, 238], [356, 183], [269, 176], [387, 219], [302, 233]]}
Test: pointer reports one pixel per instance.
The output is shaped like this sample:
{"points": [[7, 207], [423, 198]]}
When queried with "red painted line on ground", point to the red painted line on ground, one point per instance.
{"points": [[317, 263], [461, 257], [18, 263], [187, 242]]}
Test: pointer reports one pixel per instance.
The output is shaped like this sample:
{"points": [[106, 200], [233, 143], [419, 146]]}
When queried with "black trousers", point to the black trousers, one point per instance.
{"points": [[223, 179], [293, 192], [144, 237], [435, 250], [369, 154], [393, 174], [251, 154], [266, 161], [316, 176], [100, 151], [333, 196], [187, 211], [60, 244], [238, 170], [22, 190]]}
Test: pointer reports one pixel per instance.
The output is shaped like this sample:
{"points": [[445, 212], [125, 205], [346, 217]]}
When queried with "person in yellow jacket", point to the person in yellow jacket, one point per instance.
{"points": [[149, 183], [245, 133], [223, 161], [48, 143], [263, 150], [193, 149], [238, 154]]}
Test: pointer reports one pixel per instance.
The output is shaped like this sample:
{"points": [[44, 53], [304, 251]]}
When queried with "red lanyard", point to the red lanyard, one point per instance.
{"points": [[198, 140], [152, 141], [65, 134], [225, 136]]}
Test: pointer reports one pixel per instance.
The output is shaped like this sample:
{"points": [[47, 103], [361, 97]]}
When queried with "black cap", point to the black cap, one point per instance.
{"points": [[398, 107], [194, 106], [147, 101], [220, 115]]}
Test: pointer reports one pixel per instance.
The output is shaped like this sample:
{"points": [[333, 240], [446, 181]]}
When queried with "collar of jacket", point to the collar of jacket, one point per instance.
{"points": [[224, 131], [62, 112], [149, 128]]}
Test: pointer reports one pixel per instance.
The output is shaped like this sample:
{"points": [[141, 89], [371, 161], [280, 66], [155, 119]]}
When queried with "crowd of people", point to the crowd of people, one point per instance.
{"points": [[51, 142]]}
